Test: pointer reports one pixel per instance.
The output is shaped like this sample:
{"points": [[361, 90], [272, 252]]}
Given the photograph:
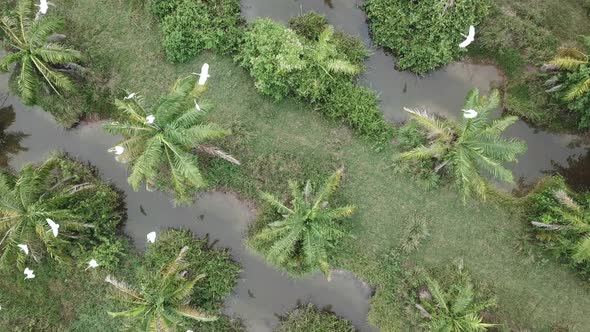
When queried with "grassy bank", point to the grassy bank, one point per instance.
{"points": [[276, 141]]}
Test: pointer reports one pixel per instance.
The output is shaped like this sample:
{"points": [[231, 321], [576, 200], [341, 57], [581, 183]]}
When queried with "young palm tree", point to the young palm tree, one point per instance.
{"points": [[325, 55], [26, 202], [471, 145], [573, 59], [163, 301], [36, 58], [572, 227], [163, 138], [309, 229], [452, 310]]}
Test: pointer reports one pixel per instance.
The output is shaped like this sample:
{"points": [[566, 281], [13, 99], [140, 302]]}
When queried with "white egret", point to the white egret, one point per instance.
{"points": [[130, 96], [204, 75], [29, 274], [151, 237], [54, 226], [469, 114], [24, 248], [118, 150], [44, 6], [469, 38], [92, 264], [150, 119], [197, 107]]}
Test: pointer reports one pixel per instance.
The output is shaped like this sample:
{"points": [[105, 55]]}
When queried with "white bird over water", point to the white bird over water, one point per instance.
{"points": [[151, 237], [150, 119], [92, 264], [24, 248], [29, 274], [118, 150], [469, 38], [204, 75], [54, 226], [469, 114], [130, 96]]}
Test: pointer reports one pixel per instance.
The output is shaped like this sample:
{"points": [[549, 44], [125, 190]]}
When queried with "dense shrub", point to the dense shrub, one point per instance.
{"points": [[316, 64], [423, 34], [191, 26], [307, 318], [561, 221], [220, 270], [580, 105], [358, 107]]}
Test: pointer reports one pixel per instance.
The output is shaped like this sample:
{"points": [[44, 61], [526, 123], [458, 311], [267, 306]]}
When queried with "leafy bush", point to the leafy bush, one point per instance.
{"points": [[357, 107], [424, 34], [309, 25], [191, 26], [220, 270], [561, 221], [307, 318]]}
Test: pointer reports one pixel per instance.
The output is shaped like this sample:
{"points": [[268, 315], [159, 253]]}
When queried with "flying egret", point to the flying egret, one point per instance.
{"points": [[151, 237], [118, 150], [469, 38], [92, 264], [24, 248], [469, 114], [150, 119], [130, 96], [197, 107], [44, 6], [54, 226], [204, 75], [29, 273]]}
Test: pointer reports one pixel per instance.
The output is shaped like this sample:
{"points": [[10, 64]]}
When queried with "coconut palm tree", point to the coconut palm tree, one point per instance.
{"points": [[163, 301], [26, 202], [452, 310], [573, 59], [162, 140], [309, 228], [470, 146], [37, 58], [572, 227]]}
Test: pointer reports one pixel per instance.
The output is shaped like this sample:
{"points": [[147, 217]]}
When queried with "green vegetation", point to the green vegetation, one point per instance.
{"points": [[38, 59], [453, 307], [163, 140], [519, 36], [286, 140], [307, 318], [426, 34], [571, 88], [470, 146], [171, 285], [301, 240], [65, 192], [561, 221], [189, 26]]}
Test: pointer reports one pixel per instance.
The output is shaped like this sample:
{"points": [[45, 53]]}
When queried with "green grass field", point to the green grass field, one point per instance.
{"points": [[276, 141]]}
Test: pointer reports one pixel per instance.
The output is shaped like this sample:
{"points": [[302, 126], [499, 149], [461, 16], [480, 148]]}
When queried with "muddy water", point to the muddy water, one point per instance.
{"points": [[442, 91], [262, 292]]}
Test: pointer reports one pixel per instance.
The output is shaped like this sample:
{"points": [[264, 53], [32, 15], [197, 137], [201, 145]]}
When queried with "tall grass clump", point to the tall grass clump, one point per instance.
{"points": [[308, 318]]}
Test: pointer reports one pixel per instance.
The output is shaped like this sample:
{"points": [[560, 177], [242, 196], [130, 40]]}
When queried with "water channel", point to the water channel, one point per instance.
{"points": [[262, 292]]}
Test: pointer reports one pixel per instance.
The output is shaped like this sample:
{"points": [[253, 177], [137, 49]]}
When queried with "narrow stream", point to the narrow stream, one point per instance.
{"points": [[262, 292], [442, 91]]}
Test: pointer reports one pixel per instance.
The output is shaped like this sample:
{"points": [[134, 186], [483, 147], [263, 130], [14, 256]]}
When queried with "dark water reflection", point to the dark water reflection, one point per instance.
{"points": [[442, 91], [9, 140]]}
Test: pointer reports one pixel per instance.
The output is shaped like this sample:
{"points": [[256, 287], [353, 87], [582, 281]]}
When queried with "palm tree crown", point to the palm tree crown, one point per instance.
{"points": [[28, 46], [309, 229], [166, 143], [26, 202], [574, 59], [454, 309], [163, 301], [471, 145]]}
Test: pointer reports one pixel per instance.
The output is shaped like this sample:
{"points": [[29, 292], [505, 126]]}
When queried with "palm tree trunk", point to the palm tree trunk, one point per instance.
{"points": [[214, 151]]}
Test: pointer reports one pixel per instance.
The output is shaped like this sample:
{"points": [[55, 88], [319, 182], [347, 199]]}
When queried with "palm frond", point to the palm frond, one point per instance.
{"points": [[578, 90], [568, 63], [194, 314]]}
